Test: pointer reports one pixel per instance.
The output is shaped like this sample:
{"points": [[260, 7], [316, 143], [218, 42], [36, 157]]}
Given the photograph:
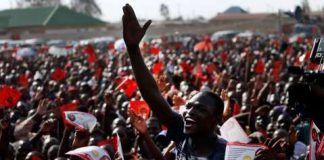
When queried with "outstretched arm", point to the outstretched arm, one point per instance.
{"points": [[133, 33], [140, 125]]}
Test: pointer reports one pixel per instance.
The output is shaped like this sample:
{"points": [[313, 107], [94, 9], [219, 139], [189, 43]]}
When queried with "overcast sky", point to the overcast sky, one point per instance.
{"points": [[149, 9]]}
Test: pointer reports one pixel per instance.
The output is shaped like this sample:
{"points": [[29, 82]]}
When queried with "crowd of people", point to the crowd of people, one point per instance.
{"points": [[191, 92]]}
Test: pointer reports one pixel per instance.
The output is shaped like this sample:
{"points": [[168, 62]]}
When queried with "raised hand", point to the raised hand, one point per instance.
{"points": [[178, 101], [132, 31], [81, 138], [46, 126], [275, 151], [162, 83], [42, 107], [138, 122]]}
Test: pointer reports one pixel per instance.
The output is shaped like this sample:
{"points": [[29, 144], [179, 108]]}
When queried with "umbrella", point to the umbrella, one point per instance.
{"points": [[203, 46], [56, 51], [26, 52], [120, 45]]}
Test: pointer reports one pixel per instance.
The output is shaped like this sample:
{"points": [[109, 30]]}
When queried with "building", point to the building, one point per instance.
{"points": [[235, 18], [46, 22]]}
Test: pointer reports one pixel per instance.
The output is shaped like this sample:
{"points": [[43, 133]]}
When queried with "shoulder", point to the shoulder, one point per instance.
{"points": [[221, 142], [220, 148]]}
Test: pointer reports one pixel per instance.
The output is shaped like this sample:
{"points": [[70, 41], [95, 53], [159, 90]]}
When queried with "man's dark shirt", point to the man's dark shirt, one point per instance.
{"points": [[175, 133]]}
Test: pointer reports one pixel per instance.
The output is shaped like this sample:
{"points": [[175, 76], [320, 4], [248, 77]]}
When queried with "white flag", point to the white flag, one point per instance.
{"points": [[90, 153], [231, 131], [81, 120]]}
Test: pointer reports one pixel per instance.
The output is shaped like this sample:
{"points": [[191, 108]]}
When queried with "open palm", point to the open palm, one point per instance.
{"points": [[138, 122], [132, 31]]}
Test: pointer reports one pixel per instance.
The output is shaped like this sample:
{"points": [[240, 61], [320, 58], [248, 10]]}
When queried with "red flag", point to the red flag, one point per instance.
{"points": [[140, 108], [236, 109], [111, 46], [155, 50], [9, 96], [221, 42], [313, 66], [34, 157], [185, 67], [89, 50], [58, 74], [300, 39], [277, 65], [68, 107], [186, 52], [224, 57], [198, 71], [178, 45], [103, 142], [43, 50], [259, 67], [275, 74], [157, 68], [114, 142], [67, 47], [307, 55], [92, 58], [289, 50], [23, 80], [98, 73], [211, 68], [129, 86], [275, 43]]}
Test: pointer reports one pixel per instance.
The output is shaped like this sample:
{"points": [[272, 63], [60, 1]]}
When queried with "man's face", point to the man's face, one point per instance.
{"points": [[283, 122], [199, 115], [261, 122]]}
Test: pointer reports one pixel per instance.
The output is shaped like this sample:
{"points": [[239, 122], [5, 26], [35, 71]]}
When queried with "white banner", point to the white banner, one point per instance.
{"points": [[81, 120], [233, 132], [239, 151], [90, 153]]}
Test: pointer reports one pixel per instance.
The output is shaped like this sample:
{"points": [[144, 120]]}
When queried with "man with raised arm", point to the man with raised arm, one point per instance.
{"points": [[193, 131]]}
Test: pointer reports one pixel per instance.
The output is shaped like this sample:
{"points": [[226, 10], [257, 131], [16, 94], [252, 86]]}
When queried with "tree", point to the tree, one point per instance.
{"points": [[164, 10], [89, 7], [37, 3]]}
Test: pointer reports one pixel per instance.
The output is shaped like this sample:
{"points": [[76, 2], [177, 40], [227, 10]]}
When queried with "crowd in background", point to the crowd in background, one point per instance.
{"points": [[249, 73]]}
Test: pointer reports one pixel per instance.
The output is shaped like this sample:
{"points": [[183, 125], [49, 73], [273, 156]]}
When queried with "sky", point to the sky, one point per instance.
{"points": [[150, 9]]}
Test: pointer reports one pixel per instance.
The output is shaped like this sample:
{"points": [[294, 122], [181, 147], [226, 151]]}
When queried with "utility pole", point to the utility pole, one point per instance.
{"points": [[279, 21]]}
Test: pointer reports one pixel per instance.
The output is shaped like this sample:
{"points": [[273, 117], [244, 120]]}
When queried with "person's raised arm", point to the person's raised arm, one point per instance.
{"points": [[140, 125], [133, 33]]}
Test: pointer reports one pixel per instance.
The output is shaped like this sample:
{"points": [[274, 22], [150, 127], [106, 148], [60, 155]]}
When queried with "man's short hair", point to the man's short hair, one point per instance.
{"points": [[218, 101]]}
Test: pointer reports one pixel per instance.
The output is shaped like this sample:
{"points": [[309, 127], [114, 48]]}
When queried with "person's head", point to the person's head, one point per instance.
{"points": [[124, 140], [109, 149], [52, 152], [23, 148], [34, 155], [284, 121], [202, 113], [257, 137], [48, 142], [273, 115], [118, 122], [153, 126], [124, 108], [281, 134], [271, 127]]}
